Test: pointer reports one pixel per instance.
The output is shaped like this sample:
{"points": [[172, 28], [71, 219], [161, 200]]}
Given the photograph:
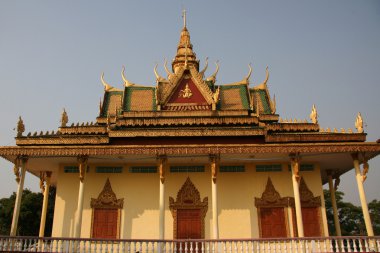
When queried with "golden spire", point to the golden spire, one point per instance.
{"points": [[184, 18], [185, 56]]}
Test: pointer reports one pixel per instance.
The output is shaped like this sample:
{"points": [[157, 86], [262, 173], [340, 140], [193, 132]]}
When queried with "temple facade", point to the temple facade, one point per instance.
{"points": [[188, 157]]}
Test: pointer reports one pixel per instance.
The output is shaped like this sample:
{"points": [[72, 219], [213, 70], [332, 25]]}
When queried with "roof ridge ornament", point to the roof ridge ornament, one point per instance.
{"points": [[158, 77], [213, 76], [359, 123], [126, 82], [106, 85], [202, 72], [166, 68], [64, 118], [249, 73], [20, 127], [314, 115]]}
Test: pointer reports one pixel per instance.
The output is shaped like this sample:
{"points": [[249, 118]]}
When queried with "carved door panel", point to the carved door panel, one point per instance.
{"points": [[189, 224], [105, 223], [272, 222], [189, 227], [311, 221]]}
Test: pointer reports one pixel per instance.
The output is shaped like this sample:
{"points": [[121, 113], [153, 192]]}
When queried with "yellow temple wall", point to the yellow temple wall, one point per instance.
{"points": [[140, 214]]}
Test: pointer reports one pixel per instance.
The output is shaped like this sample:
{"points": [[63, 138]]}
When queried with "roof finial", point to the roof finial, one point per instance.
{"points": [[184, 18]]}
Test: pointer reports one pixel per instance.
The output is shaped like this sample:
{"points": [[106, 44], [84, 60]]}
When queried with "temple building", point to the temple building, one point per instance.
{"points": [[188, 157]]}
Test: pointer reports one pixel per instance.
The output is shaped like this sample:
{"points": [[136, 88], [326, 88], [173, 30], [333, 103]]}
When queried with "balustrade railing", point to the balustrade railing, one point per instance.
{"points": [[280, 245]]}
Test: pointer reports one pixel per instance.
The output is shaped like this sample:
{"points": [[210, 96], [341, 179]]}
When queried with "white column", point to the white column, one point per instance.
{"points": [[20, 189], [45, 204], [297, 200], [162, 168], [214, 164], [290, 221], [82, 171], [363, 200], [334, 206]]}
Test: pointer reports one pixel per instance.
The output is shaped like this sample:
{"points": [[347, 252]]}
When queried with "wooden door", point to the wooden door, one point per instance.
{"points": [[272, 222], [311, 221], [105, 223], [189, 224]]}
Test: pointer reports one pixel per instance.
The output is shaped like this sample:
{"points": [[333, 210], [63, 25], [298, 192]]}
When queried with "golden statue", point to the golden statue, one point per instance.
{"points": [[186, 93]]}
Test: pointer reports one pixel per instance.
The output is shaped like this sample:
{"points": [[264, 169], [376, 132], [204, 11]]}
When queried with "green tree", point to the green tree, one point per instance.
{"points": [[351, 216], [374, 211], [30, 213]]}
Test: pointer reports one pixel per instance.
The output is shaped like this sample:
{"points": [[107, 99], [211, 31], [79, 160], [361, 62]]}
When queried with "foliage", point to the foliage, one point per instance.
{"points": [[30, 213], [351, 216]]}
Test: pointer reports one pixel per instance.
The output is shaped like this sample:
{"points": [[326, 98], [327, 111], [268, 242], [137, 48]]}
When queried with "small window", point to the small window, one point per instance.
{"points": [[109, 169], [179, 169], [303, 167], [143, 169], [268, 167], [236, 168], [71, 169]]}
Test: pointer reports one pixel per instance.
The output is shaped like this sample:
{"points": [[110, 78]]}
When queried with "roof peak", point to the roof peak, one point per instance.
{"points": [[185, 56]]}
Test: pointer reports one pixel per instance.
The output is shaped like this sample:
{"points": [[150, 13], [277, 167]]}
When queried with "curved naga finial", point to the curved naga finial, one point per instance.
{"points": [[64, 118], [314, 115], [158, 77], [213, 76], [249, 73], [166, 68], [266, 76], [202, 72], [105, 84], [126, 82]]}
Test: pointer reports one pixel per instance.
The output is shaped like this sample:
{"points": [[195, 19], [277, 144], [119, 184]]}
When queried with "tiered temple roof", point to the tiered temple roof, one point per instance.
{"points": [[188, 104]]}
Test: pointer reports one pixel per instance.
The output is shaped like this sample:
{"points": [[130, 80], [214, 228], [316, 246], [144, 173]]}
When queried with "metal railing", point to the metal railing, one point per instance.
{"points": [[286, 245]]}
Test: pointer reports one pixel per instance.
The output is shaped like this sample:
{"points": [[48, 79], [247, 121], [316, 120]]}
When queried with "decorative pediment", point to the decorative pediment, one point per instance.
{"points": [[186, 90], [188, 197], [107, 198], [307, 196], [271, 197]]}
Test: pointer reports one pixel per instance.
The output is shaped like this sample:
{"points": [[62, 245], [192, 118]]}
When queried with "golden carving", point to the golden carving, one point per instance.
{"points": [[107, 198], [221, 120], [63, 140], [271, 197], [16, 169], [188, 197], [213, 76], [185, 93], [314, 115], [106, 150], [20, 127], [162, 165], [365, 170], [295, 163], [313, 137], [359, 123], [82, 159], [214, 166], [307, 196], [292, 127]]}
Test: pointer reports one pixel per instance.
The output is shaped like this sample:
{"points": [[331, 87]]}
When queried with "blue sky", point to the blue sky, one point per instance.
{"points": [[322, 52]]}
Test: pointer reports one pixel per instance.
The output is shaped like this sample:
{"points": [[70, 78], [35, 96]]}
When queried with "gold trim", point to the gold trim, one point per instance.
{"points": [[107, 198], [185, 121], [63, 140], [188, 197], [310, 137], [186, 132], [105, 150]]}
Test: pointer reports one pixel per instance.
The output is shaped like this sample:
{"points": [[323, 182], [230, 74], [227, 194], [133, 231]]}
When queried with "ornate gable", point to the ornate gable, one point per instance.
{"points": [[307, 196], [189, 93], [271, 197], [107, 198]]}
